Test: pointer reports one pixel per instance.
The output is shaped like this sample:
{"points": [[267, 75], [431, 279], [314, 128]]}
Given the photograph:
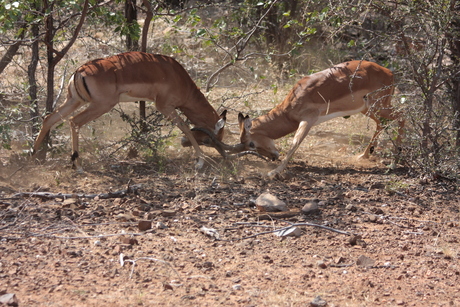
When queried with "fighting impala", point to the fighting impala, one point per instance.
{"points": [[342, 90], [135, 76]]}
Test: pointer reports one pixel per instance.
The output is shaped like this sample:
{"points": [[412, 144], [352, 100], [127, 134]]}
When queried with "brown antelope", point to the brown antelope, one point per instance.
{"points": [[342, 90], [130, 77]]}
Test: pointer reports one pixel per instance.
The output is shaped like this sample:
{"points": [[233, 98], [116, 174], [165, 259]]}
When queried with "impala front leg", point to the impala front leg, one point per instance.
{"points": [[188, 133], [301, 133], [373, 142]]}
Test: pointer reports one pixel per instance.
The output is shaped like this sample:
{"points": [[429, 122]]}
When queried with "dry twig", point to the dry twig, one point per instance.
{"points": [[133, 261]]}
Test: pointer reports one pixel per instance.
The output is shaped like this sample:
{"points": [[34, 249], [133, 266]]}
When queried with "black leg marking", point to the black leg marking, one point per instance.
{"points": [[74, 156]]}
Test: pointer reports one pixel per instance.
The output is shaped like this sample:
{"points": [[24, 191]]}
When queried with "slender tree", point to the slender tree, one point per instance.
{"points": [[54, 56]]}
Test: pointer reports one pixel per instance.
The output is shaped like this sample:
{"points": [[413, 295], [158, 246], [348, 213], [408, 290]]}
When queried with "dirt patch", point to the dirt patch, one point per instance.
{"points": [[67, 252]]}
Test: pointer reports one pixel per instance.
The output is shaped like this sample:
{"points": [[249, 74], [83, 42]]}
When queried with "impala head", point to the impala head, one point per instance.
{"points": [[203, 138], [255, 141]]}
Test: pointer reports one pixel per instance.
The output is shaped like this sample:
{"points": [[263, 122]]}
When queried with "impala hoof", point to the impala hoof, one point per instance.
{"points": [[199, 165], [272, 174]]}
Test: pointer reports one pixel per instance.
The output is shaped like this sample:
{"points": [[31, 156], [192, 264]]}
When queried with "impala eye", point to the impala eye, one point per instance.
{"points": [[251, 145]]}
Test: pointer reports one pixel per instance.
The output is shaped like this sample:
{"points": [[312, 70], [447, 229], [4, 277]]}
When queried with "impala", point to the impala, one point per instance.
{"points": [[134, 76], [342, 90]]}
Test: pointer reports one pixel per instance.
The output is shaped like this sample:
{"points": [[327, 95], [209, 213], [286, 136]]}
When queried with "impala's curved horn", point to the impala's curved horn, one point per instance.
{"points": [[248, 152], [237, 150], [219, 144]]}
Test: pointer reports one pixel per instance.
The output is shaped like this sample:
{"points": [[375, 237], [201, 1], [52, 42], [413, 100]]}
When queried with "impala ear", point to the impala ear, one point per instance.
{"points": [[247, 123], [240, 118], [219, 125], [221, 122]]}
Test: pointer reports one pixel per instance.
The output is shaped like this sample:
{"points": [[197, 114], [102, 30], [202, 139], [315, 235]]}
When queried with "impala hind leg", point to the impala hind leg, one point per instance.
{"points": [[370, 147], [301, 133], [61, 113], [386, 114], [92, 112]]}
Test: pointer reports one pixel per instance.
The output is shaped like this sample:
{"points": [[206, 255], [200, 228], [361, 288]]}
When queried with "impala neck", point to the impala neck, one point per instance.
{"points": [[274, 125], [202, 114]]}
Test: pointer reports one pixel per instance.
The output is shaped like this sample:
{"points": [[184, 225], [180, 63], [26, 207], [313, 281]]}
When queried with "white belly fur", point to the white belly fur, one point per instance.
{"points": [[127, 98], [329, 116]]}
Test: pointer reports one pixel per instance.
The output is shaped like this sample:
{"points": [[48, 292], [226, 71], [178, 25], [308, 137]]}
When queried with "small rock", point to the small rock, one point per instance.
{"points": [[377, 185], [352, 240], [365, 262], [351, 208], [160, 225], [9, 299], [208, 264], [168, 212], [357, 240], [69, 201], [318, 302], [321, 264], [237, 287], [372, 218], [144, 225], [124, 217], [289, 232], [311, 207], [167, 286], [267, 202], [211, 232], [129, 241]]}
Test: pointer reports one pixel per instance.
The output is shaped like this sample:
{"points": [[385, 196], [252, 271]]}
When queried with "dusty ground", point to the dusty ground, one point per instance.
{"points": [[66, 252]]}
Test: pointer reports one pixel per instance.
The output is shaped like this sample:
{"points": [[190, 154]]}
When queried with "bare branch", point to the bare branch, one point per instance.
{"points": [[84, 12], [291, 226], [239, 48]]}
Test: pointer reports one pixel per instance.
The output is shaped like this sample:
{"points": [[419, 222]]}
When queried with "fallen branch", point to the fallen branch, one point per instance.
{"points": [[298, 225], [86, 237], [278, 215], [48, 195], [292, 225]]}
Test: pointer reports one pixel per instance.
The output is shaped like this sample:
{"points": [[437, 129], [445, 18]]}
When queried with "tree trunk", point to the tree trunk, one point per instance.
{"points": [[131, 19], [53, 58], [145, 31], [454, 42], [48, 40], [31, 70], [13, 49]]}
